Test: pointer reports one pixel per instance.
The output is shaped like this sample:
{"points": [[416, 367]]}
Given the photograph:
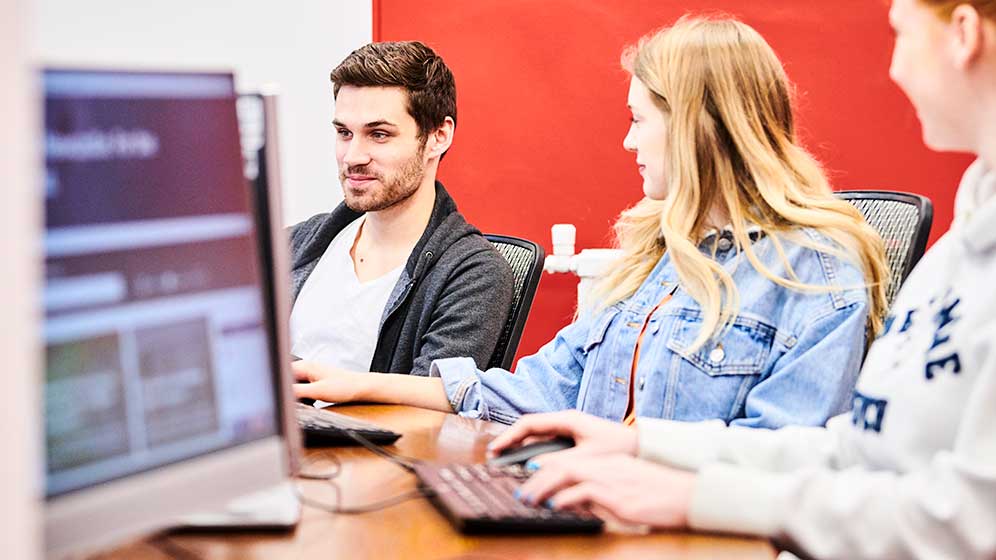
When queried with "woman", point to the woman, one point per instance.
{"points": [[745, 288], [911, 471]]}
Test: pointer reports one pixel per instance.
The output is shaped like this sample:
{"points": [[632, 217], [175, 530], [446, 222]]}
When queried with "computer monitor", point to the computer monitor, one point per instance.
{"points": [[161, 397], [258, 127]]}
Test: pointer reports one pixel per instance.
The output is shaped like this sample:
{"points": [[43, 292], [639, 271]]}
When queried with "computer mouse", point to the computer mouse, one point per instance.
{"points": [[519, 455]]}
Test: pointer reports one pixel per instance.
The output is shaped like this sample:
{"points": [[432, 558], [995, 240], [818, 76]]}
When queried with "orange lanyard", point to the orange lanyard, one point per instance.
{"points": [[630, 416]]}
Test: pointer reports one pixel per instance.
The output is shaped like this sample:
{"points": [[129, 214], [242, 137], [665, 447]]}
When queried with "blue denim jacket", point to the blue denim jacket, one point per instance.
{"points": [[790, 357]]}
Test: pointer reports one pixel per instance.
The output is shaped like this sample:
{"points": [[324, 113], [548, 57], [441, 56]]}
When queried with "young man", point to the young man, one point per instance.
{"points": [[394, 277]]}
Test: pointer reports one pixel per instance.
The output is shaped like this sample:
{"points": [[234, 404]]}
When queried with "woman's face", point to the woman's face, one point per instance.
{"points": [[924, 67], [647, 138]]}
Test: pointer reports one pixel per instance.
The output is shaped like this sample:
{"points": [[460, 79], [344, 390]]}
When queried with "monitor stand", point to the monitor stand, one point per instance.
{"points": [[274, 509]]}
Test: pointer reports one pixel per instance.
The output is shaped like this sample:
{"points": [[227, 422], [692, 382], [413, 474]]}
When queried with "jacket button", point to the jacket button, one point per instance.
{"points": [[725, 244], [428, 254], [717, 354], [643, 382]]}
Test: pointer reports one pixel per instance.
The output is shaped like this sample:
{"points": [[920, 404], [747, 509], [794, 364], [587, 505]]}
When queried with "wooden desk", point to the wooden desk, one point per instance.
{"points": [[414, 529]]}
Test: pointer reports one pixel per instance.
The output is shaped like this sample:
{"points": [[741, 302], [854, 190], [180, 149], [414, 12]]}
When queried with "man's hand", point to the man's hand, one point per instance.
{"points": [[328, 383]]}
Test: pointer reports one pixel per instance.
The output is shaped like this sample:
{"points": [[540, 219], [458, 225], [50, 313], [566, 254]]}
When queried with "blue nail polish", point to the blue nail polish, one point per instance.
{"points": [[517, 494], [532, 466], [548, 504]]}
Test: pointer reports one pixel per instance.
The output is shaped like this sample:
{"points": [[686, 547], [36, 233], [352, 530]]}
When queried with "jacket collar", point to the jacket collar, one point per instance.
{"points": [[341, 216], [430, 242]]}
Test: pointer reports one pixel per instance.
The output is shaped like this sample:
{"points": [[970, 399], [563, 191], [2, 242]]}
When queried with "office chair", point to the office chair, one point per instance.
{"points": [[903, 220], [526, 260]]}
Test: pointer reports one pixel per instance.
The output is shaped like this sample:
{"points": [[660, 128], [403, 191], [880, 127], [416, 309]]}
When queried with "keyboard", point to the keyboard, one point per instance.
{"points": [[477, 499], [324, 428]]}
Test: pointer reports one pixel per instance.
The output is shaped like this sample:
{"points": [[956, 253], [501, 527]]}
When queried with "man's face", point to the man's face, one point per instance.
{"points": [[923, 68], [381, 158]]}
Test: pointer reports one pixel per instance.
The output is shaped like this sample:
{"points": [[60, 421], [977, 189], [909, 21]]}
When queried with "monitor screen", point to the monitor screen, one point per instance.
{"points": [[156, 346]]}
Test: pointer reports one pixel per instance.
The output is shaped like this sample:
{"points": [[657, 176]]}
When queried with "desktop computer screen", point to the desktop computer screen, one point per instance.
{"points": [[160, 390]]}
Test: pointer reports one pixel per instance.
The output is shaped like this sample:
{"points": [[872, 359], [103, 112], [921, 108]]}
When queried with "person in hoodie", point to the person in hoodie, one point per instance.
{"points": [[745, 287], [910, 471], [394, 277]]}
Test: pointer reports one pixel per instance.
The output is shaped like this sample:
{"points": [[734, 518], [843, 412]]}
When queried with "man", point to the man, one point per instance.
{"points": [[394, 277]]}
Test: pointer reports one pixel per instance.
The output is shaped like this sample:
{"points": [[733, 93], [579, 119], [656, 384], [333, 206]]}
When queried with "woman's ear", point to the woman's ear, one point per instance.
{"points": [[968, 35]]}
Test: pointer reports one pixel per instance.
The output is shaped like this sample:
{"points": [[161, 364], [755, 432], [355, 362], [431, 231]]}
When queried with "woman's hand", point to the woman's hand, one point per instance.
{"points": [[328, 383], [592, 436], [616, 487]]}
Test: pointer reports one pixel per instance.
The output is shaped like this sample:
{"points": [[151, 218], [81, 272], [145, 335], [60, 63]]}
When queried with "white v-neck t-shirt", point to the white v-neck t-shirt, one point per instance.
{"points": [[336, 318]]}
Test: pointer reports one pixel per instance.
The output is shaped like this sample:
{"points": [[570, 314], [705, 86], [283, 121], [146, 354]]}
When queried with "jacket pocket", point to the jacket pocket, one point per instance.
{"points": [[598, 329], [741, 349]]}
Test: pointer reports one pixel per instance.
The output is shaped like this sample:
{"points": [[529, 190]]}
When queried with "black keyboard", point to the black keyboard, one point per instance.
{"points": [[478, 499], [324, 427]]}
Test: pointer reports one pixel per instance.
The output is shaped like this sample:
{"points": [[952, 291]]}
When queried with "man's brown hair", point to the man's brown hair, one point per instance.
{"points": [[406, 64]]}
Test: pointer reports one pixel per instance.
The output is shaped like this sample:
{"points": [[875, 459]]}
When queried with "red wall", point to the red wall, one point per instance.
{"points": [[542, 110]]}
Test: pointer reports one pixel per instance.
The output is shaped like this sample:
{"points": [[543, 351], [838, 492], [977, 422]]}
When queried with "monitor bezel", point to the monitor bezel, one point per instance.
{"points": [[111, 511]]}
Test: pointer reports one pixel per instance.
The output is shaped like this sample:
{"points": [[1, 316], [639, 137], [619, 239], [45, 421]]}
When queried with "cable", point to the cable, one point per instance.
{"points": [[163, 543], [321, 476], [402, 461], [337, 508], [407, 463]]}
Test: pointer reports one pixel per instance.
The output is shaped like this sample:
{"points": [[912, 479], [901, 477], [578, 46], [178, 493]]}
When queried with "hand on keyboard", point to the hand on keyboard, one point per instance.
{"points": [[481, 499]]}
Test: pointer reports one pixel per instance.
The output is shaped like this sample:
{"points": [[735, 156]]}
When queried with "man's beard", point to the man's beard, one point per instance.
{"points": [[394, 189]]}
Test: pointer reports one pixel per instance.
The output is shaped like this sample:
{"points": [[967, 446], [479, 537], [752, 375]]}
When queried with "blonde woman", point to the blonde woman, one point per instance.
{"points": [[910, 472], [745, 291]]}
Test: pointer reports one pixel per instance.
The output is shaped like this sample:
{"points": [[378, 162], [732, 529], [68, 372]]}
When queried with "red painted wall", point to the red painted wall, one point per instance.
{"points": [[542, 113]]}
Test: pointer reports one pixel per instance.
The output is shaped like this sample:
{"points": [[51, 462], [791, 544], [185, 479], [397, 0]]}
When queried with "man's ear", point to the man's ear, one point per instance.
{"points": [[968, 35], [440, 139]]}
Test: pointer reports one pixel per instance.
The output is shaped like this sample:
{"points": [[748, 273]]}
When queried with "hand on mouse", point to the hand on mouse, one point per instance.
{"points": [[615, 487], [328, 383], [592, 436]]}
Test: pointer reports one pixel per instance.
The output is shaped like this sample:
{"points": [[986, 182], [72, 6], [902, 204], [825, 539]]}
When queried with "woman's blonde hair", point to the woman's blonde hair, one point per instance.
{"points": [[731, 142]]}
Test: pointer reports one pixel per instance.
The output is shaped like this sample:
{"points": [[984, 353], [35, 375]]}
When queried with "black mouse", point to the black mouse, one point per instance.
{"points": [[519, 455]]}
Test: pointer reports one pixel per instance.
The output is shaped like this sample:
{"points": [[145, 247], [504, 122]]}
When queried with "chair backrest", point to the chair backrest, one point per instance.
{"points": [[526, 260], [903, 220]]}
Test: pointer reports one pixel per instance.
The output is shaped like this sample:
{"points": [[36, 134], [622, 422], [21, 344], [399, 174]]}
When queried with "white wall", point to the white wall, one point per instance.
{"points": [[294, 44], [20, 218]]}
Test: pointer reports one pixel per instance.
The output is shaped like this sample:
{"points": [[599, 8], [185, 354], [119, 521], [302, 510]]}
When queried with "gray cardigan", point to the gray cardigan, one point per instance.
{"points": [[451, 300]]}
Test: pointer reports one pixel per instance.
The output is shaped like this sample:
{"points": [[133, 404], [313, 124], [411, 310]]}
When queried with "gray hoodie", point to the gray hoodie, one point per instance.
{"points": [[452, 298]]}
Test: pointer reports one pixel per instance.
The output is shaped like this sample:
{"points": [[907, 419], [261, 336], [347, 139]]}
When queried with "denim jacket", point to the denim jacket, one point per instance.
{"points": [[790, 356]]}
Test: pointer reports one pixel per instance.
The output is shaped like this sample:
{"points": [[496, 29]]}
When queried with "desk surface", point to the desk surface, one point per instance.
{"points": [[414, 529]]}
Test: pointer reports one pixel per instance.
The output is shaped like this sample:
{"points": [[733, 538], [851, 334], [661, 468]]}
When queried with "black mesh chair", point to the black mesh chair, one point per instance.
{"points": [[526, 260], [903, 220]]}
